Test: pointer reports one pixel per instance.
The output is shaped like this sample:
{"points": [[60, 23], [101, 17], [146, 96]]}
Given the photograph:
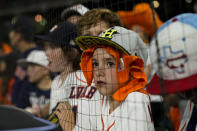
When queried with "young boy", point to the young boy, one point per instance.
{"points": [[35, 99], [107, 62], [95, 21]]}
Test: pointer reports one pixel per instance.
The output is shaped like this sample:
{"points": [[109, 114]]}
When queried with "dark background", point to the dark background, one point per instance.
{"points": [[167, 8], [51, 9]]}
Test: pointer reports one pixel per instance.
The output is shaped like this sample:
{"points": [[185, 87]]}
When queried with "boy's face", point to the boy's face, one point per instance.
{"points": [[95, 29], [56, 58], [73, 19], [36, 73], [104, 72]]}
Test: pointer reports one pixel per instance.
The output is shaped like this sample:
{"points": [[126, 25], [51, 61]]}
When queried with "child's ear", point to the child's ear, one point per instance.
{"points": [[121, 65], [75, 51]]}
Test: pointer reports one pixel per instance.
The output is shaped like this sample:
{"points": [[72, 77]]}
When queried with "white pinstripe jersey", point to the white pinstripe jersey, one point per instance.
{"points": [[186, 116], [84, 100], [134, 114], [91, 114]]}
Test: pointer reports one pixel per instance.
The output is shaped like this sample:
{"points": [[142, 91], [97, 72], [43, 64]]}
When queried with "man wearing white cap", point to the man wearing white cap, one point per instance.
{"points": [[73, 13], [35, 99]]}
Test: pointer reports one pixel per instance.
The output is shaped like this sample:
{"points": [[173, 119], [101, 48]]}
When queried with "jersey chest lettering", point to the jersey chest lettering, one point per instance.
{"points": [[82, 92]]}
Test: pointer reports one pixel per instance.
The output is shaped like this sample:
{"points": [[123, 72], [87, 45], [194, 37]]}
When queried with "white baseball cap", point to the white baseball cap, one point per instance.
{"points": [[79, 8], [177, 44], [118, 37], [36, 57]]}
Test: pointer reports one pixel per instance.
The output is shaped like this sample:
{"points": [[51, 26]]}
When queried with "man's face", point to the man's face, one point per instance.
{"points": [[36, 72], [73, 19], [95, 29], [15, 38]]}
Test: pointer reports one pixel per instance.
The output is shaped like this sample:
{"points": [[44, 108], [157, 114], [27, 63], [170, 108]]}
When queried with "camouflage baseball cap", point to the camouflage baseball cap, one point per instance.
{"points": [[120, 38]]}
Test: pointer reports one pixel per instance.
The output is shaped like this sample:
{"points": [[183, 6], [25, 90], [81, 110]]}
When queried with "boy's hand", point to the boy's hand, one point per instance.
{"points": [[66, 116]]}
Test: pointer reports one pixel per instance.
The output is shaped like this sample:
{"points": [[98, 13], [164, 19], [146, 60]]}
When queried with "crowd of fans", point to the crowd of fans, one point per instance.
{"points": [[49, 75]]}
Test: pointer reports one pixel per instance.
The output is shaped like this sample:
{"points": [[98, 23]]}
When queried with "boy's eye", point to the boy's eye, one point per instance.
{"points": [[110, 64], [94, 64]]}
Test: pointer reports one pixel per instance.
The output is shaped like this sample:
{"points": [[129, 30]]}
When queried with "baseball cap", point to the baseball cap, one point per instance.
{"points": [[177, 44], [25, 25], [118, 37], [36, 57], [62, 34], [78, 9]]}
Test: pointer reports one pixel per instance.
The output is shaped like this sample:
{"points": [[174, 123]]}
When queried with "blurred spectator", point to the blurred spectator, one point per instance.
{"points": [[5, 49], [7, 67], [141, 16], [96, 21], [173, 112], [35, 99], [62, 57], [21, 37], [195, 6], [142, 33], [73, 14], [21, 34], [189, 118]]}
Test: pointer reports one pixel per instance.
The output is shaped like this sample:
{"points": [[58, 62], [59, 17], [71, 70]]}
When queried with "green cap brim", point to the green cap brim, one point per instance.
{"points": [[85, 42]]}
